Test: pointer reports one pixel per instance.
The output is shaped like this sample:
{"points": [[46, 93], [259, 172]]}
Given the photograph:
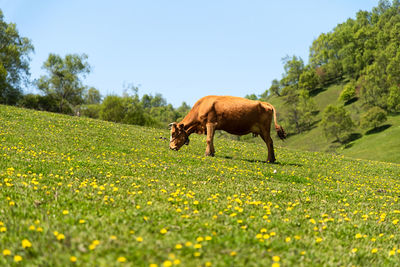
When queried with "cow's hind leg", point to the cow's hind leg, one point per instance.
{"points": [[270, 145], [210, 139]]}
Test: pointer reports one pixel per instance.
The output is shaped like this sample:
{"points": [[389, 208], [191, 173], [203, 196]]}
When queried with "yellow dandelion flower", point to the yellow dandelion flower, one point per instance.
{"points": [[81, 221], [200, 239], [121, 259], [73, 259], [65, 212], [60, 237], [3, 229], [26, 243], [153, 265], [177, 262], [275, 264], [197, 246], [354, 250], [17, 258], [6, 252], [276, 258], [178, 246], [163, 231], [359, 235], [233, 253], [374, 250], [139, 239], [167, 263]]}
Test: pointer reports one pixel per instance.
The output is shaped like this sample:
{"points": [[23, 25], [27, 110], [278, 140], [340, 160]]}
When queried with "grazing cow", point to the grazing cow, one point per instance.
{"points": [[234, 115]]}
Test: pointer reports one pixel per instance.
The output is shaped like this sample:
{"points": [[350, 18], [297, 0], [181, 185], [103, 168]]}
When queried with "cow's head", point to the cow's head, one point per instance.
{"points": [[179, 136]]}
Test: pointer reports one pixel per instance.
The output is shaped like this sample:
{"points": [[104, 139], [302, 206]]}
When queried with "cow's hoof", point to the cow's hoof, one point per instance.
{"points": [[210, 155]]}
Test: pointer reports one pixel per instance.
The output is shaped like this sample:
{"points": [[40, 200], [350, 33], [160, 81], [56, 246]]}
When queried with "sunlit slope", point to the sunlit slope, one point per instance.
{"points": [[76, 191], [381, 145]]}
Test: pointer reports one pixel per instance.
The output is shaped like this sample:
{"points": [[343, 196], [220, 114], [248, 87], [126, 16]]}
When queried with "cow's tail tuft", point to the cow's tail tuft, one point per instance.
{"points": [[279, 130]]}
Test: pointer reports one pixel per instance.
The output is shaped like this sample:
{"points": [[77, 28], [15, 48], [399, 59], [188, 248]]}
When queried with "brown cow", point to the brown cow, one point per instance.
{"points": [[234, 115]]}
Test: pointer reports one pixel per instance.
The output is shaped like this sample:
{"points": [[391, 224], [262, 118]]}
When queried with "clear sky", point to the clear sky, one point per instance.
{"points": [[181, 49]]}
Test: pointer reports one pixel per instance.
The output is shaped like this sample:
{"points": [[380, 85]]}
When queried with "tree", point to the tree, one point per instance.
{"points": [[92, 96], [293, 69], [309, 79], [374, 117], [64, 78], [112, 109], [348, 92], [251, 97], [299, 112], [336, 122], [275, 88], [14, 62]]}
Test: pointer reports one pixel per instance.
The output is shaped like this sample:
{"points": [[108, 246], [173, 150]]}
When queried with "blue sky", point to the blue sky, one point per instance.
{"points": [[181, 49]]}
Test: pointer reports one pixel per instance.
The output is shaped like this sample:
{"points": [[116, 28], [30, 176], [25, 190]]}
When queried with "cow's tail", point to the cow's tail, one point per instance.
{"points": [[279, 130]]}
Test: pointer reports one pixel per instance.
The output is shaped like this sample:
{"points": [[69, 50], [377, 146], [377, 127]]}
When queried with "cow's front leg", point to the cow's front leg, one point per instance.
{"points": [[210, 139]]}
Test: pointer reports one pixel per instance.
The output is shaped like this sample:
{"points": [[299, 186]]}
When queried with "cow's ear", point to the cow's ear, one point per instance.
{"points": [[172, 125], [181, 126]]}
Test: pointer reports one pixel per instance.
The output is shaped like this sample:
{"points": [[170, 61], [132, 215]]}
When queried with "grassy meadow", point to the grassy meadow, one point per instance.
{"points": [[82, 192]]}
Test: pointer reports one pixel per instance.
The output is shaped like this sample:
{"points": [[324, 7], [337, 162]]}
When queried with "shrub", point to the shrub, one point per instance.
{"points": [[91, 111], [374, 117], [349, 91], [336, 122]]}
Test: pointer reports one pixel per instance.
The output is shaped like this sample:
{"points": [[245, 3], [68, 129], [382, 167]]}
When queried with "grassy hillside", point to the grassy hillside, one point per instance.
{"points": [[76, 191], [381, 145]]}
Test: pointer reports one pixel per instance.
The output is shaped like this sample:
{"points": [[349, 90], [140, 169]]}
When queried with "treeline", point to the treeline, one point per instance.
{"points": [[364, 54], [63, 90]]}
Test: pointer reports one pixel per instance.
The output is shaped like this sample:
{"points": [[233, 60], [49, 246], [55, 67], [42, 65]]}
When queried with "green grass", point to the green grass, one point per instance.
{"points": [[103, 192]]}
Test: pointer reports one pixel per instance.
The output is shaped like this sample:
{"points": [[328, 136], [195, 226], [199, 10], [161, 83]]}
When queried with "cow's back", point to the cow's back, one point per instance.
{"points": [[235, 115]]}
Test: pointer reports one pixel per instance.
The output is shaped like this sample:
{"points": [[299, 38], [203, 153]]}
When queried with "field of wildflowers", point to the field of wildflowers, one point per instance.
{"points": [[81, 192]]}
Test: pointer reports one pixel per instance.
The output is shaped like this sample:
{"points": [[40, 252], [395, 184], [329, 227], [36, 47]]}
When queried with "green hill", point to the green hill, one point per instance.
{"points": [[77, 191], [357, 60], [381, 145]]}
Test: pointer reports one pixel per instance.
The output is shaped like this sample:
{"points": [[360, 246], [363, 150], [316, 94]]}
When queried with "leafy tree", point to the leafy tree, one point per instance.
{"points": [[394, 99], [299, 111], [251, 97], [348, 92], [112, 109], [183, 109], [336, 122], [374, 117], [275, 89], [293, 69], [91, 111], [92, 96], [39, 102], [64, 78], [309, 79], [14, 62]]}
